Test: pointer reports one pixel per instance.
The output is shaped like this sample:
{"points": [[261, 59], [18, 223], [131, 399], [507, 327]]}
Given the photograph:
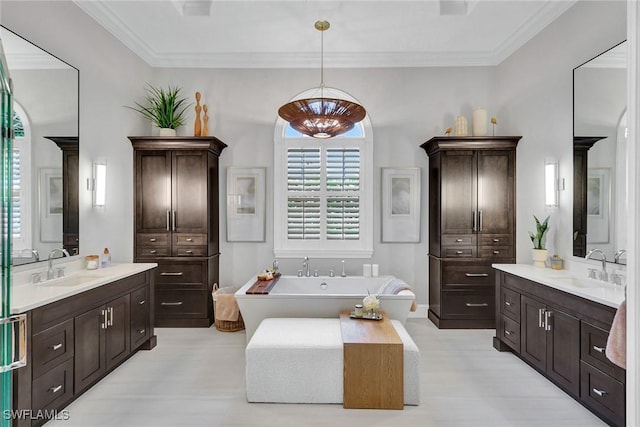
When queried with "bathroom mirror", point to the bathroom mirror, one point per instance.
{"points": [[600, 138], [45, 154]]}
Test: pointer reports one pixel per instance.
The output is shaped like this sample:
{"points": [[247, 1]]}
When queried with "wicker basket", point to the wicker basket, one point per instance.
{"points": [[226, 325]]}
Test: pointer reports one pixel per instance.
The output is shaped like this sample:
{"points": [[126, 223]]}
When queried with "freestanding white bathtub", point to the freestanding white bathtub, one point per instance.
{"points": [[318, 297]]}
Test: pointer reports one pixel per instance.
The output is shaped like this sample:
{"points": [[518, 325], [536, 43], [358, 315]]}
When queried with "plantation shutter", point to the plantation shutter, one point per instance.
{"points": [[343, 187], [16, 210], [303, 199]]}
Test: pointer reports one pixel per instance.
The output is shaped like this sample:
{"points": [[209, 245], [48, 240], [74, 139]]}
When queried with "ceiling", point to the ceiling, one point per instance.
{"points": [[280, 34]]}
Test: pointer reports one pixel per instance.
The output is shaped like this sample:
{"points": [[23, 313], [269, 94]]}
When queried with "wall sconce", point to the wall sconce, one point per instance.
{"points": [[98, 184], [551, 187]]}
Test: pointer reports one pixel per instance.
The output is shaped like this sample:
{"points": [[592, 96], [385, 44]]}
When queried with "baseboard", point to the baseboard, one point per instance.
{"points": [[421, 312]]}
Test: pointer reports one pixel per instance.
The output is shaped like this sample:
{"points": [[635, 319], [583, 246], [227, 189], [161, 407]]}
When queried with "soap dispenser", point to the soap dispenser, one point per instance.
{"points": [[106, 258]]}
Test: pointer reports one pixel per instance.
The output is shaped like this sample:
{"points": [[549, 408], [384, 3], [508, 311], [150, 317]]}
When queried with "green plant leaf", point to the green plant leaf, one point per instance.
{"points": [[164, 108]]}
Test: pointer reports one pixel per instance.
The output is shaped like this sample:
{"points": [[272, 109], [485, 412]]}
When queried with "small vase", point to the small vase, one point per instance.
{"points": [[539, 257], [167, 132]]}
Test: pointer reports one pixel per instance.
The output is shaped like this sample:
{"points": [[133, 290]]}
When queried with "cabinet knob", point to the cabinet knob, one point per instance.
{"points": [[189, 239], [189, 251], [459, 240], [496, 252], [142, 302], [599, 392], [508, 332], [153, 239], [598, 349], [496, 240], [508, 304], [142, 331], [59, 387], [153, 251], [56, 347], [459, 252]]}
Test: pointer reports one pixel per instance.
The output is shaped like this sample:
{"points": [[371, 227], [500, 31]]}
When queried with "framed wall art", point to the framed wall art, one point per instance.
{"points": [[400, 205], [246, 204]]}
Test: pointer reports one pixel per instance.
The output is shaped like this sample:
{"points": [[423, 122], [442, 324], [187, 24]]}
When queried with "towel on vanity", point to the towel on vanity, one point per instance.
{"points": [[617, 342], [226, 306], [393, 287]]}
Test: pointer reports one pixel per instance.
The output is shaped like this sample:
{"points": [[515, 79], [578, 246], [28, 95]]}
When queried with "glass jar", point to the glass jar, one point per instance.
{"points": [[92, 261], [358, 310]]}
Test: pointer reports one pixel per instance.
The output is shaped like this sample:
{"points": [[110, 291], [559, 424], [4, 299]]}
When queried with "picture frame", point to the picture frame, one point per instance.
{"points": [[598, 205], [50, 204], [400, 205], [246, 204]]}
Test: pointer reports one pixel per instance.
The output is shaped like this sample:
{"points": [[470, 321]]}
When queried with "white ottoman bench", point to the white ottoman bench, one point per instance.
{"points": [[300, 360]]}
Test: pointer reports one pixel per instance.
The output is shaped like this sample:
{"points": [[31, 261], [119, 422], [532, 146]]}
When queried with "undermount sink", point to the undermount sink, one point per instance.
{"points": [[581, 282], [70, 280]]}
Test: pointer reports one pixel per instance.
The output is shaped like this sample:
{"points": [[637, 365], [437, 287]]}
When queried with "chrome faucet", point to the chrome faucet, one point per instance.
{"points": [[618, 255], [50, 272], [306, 267], [603, 273]]}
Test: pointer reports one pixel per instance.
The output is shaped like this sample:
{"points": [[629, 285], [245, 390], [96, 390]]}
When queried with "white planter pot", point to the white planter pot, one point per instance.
{"points": [[539, 257], [167, 132]]}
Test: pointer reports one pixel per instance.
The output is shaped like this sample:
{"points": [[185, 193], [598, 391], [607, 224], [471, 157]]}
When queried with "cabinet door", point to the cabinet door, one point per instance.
{"points": [[563, 350], [189, 193], [533, 338], [89, 334], [118, 332], [458, 202], [496, 178], [153, 191]]}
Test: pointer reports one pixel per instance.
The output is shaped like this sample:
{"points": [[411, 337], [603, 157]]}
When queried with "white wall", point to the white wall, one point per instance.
{"points": [[535, 94]]}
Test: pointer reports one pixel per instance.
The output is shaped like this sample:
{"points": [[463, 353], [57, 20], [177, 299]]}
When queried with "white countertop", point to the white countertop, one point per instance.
{"points": [[25, 297], [566, 281]]}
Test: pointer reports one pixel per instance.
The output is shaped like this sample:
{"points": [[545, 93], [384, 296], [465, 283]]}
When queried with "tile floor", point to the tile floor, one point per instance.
{"points": [[195, 377]]}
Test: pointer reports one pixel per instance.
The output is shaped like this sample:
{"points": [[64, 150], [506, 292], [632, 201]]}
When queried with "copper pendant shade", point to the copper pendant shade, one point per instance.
{"points": [[322, 117]]}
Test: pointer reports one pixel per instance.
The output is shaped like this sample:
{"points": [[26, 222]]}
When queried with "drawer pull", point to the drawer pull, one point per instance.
{"points": [[142, 331], [458, 240], [496, 240], [55, 389], [479, 304], [142, 302], [508, 332], [153, 252], [189, 251], [598, 349], [56, 347], [599, 392], [476, 274], [178, 273], [153, 239], [507, 303], [496, 252], [171, 303], [189, 239]]}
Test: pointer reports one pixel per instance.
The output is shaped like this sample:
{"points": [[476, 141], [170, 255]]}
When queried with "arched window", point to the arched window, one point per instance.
{"points": [[21, 180], [323, 192]]}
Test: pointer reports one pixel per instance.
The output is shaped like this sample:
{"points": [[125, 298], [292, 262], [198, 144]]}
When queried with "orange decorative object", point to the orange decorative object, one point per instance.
{"points": [[197, 131], [205, 121]]}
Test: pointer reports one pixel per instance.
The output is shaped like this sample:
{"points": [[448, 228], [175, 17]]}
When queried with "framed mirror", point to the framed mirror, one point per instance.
{"points": [[45, 153], [599, 148]]}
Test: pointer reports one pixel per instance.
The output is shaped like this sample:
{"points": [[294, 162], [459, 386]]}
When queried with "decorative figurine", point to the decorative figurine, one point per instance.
{"points": [[205, 121], [197, 131], [447, 132], [494, 123]]}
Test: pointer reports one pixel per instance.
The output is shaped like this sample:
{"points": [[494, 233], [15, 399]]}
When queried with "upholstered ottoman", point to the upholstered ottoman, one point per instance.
{"points": [[300, 360], [295, 360]]}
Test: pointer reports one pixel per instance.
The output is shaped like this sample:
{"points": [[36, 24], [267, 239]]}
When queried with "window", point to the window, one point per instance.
{"points": [[323, 194], [20, 181]]}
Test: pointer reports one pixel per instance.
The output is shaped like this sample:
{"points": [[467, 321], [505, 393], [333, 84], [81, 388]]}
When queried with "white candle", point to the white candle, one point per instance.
{"points": [[374, 270], [479, 126], [366, 270], [461, 126]]}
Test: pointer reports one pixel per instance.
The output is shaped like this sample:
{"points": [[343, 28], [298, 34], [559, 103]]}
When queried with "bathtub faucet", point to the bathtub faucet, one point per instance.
{"points": [[306, 267]]}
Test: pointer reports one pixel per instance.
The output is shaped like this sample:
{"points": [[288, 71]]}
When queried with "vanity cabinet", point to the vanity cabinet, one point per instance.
{"points": [[177, 224], [74, 342], [471, 225], [563, 337]]}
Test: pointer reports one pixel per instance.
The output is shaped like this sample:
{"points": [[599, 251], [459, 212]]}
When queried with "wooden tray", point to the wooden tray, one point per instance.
{"points": [[263, 287], [368, 316]]}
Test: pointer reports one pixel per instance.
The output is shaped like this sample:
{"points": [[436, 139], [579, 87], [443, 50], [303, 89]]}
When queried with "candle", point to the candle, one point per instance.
{"points": [[479, 126], [461, 126]]}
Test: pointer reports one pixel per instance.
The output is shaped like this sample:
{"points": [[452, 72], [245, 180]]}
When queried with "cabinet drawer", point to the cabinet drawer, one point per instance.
{"points": [[189, 239], [152, 239], [468, 305], [592, 350], [152, 251], [510, 332], [181, 273], [190, 251], [495, 240], [179, 303], [139, 317], [510, 304], [496, 252], [459, 274], [602, 393], [460, 252], [53, 389], [458, 240], [52, 347]]}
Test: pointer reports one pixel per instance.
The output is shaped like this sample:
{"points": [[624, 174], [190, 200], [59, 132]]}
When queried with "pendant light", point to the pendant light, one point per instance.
{"points": [[321, 117]]}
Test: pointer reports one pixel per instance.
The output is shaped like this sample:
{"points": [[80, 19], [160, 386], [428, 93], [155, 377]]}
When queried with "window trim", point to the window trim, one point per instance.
{"points": [[285, 248]]}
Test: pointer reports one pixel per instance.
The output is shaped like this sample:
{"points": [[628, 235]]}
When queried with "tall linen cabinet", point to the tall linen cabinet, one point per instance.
{"points": [[177, 224], [471, 226]]}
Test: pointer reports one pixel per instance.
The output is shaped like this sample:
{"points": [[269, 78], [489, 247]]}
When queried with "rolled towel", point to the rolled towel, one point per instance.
{"points": [[226, 307], [616, 350], [394, 286]]}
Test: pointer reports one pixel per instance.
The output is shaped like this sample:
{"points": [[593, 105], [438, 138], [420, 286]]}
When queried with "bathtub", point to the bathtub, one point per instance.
{"points": [[318, 297]]}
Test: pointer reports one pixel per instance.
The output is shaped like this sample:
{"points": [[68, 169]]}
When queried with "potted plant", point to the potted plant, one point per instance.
{"points": [[164, 108], [539, 239]]}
